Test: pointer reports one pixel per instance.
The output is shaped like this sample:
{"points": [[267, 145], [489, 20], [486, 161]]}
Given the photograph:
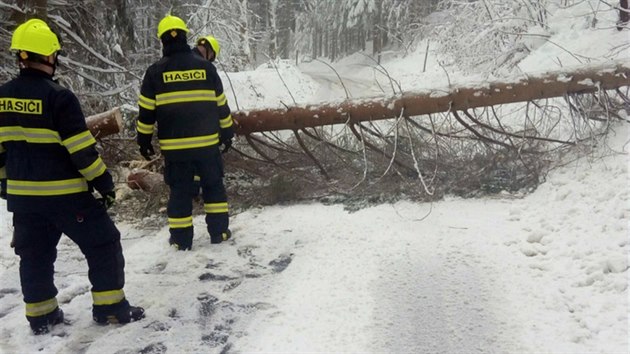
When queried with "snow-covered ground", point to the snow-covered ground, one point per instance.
{"points": [[544, 273]]}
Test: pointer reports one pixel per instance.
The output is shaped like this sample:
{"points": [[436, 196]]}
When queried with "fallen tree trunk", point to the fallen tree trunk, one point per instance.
{"points": [[586, 80], [589, 79], [106, 123]]}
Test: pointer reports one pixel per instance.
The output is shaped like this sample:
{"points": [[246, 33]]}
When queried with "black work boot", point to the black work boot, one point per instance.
{"points": [[224, 236], [121, 312], [180, 245], [181, 239], [42, 324]]}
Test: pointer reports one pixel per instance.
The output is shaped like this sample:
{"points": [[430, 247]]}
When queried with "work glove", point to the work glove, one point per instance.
{"points": [[3, 189], [146, 148], [147, 151], [227, 144], [107, 199]]}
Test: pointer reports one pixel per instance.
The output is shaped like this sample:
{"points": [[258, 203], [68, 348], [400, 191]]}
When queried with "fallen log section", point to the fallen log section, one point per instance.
{"points": [[106, 123], [584, 80], [145, 180]]}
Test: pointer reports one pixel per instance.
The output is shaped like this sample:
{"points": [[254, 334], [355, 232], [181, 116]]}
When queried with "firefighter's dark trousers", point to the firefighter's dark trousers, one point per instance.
{"points": [[36, 236], [180, 175]]}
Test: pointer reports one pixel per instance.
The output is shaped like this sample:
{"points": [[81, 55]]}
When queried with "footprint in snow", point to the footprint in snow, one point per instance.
{"points": [[281, 263]]}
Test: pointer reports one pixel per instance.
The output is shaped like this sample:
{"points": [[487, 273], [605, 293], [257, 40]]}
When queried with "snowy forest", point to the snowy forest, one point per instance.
{"points": [[109, 44]]}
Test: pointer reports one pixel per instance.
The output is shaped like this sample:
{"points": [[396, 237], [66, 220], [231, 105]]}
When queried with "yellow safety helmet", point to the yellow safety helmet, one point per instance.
{"points": [[36, 37], [214, 44], [171, 23]]}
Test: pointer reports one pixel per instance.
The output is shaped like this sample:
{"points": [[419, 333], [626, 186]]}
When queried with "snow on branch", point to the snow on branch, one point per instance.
{"points": [[59, 21], [9, 6]]}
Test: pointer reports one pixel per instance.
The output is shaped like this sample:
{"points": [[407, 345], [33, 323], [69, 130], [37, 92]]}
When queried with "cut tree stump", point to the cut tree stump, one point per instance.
{"points": [[145, 180], [106, 123]]}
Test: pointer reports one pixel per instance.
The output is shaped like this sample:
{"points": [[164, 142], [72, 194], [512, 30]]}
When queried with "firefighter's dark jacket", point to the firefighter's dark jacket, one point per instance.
{"points": [[183, 94], [47, 154]]}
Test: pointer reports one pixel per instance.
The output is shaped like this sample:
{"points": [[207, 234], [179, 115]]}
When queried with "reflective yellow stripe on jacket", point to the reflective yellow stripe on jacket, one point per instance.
{"points": [[144, 128], [146, 103], [189, 143], [47, 188], [30, 135], [41, 308], [221, 100], [79, 141], [108, 297], [96, 169], [226, 122], [185, 96]]}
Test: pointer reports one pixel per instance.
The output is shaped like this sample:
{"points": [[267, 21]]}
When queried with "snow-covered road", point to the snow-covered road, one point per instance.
{"points": [[486, 275]]}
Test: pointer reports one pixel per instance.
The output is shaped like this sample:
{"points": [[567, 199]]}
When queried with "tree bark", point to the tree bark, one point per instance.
{"points": [[624, 14], [32, 8], [146, 180], [124, 21], [273, 28], [106, 123], [588, 79]]}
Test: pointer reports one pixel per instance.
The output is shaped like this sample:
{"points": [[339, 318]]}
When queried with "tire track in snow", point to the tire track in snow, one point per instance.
{"points": [[445, 293]]}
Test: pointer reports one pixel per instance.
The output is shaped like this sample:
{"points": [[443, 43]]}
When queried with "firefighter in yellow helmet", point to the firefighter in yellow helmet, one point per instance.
{"points": [[208, 47], [48, 168], [183, 94]]}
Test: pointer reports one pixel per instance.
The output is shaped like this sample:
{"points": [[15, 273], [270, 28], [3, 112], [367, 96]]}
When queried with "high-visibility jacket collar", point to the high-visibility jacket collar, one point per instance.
{"points": [[176, 47], [36, 73]]}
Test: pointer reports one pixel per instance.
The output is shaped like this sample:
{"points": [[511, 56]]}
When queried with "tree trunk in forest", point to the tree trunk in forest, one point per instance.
{"points": [[125, 23], [39, 8], [345, 35], [377, 36], [314, 44], [624, 14], [244, 45], [18, 17], [325, 45], [32, 8], [362, 39], [106, 123], [589, 79], [273, 29], [334, 45], [320, 43]]}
